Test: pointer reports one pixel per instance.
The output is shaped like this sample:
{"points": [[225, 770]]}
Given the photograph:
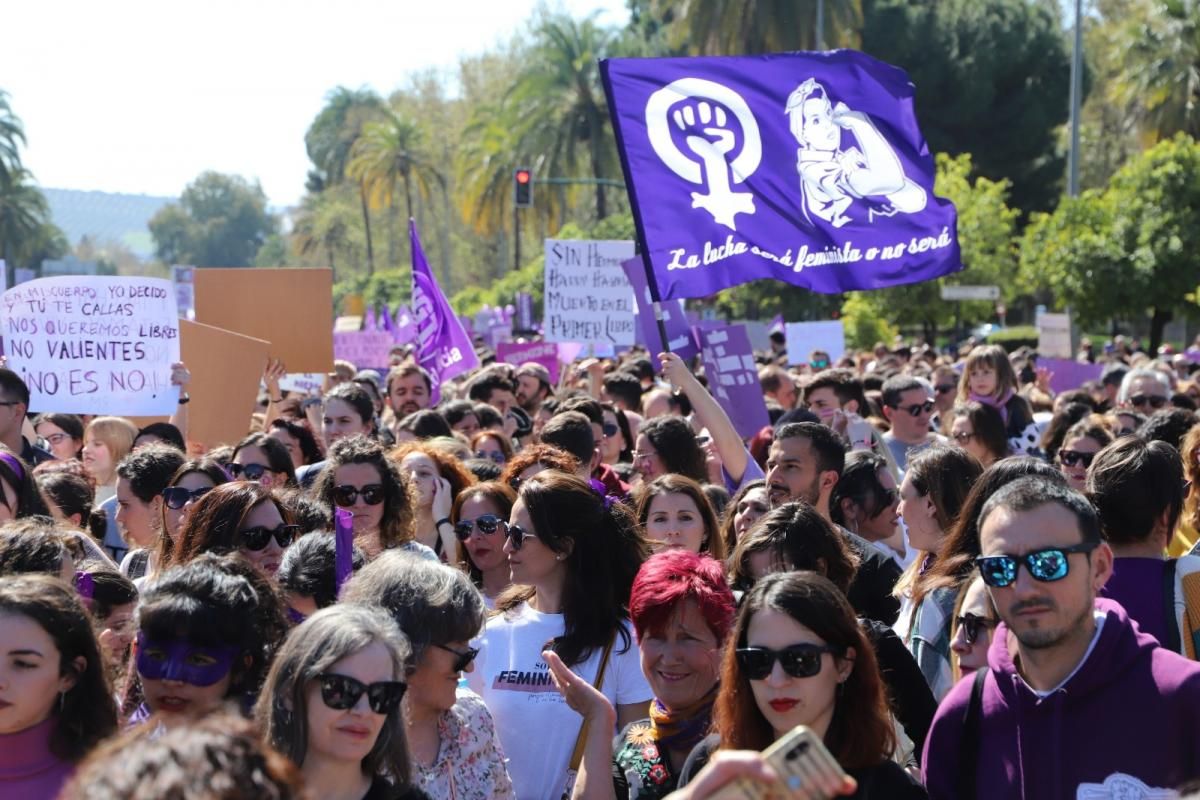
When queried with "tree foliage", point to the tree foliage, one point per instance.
{"points": [[27, 234], [728, 27], [219, 221]]}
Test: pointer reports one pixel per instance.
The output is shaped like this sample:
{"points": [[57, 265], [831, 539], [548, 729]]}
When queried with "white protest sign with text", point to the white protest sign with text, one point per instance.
{"points": [[94, 344], [588, 299], [805, 337], [307, 383], [1054, 335]]}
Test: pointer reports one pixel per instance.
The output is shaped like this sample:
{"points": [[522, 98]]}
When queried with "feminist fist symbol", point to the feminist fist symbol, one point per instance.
{"points": [[709, 137]]}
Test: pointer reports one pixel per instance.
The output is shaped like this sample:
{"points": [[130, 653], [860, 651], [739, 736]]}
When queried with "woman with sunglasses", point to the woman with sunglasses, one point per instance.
{"points": [[261, 458], [1083, 441], [438, 478], [971, 633], [492, 445], [331, 704], [617, 446], [190, 482], [797, 656], [573, 557], [451, 737], [674, 512], [480, 514], [238, 517], [207, 630], [361, 479]]}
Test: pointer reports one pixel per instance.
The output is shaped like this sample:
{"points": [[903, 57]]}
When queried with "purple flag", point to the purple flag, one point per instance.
{"points": [[777, 324], [804, 167], [369, 323], [405, 329], [679, 334], [443, 347], [386, 315], [733, 377]]}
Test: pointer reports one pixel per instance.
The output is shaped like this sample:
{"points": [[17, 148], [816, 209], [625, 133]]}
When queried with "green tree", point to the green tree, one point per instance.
{"points": [[12, 136], [863, 323], [1159, 46], [27, 234], [219, 221], [1129, 249], [326, 226], [991, 80], [726, 27]]}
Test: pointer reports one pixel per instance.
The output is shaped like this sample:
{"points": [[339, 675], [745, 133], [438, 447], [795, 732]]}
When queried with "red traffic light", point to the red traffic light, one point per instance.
{"points": [[523, 176]]}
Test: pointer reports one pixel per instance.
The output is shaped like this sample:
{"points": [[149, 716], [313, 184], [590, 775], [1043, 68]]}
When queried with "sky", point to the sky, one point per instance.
{"points": [[141, 96]]}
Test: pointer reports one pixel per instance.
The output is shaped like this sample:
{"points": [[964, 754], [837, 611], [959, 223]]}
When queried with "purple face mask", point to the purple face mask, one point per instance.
{"points": [[180, 660]]}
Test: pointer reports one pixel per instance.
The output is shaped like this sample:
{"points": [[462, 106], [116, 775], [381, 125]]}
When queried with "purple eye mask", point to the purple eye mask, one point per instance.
{"points": [[180, 660]]}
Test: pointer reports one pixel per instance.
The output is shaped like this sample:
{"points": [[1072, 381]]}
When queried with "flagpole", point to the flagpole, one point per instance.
{"points": [[656, 303]]}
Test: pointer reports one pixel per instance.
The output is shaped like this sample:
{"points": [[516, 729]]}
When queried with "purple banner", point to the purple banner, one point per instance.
{"points": [[804, 167], [517, 353], [443, 347], [1068, 374], [680, 339], [363, 349], [733, 377]]}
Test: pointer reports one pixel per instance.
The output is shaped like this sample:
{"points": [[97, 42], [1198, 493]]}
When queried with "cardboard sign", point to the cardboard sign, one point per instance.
{"points": [[226, 369], [805, 337], [517, 353], [733, 377], [587, 296], [363, 349], [1054, 335], [94, 345], [292, 308]]}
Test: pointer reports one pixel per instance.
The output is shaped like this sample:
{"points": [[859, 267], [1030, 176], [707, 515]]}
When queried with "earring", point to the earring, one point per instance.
{"points": [[62, 699]]}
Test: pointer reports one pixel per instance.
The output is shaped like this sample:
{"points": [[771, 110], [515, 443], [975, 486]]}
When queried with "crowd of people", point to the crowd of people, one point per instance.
{"points": [[965, 584]]}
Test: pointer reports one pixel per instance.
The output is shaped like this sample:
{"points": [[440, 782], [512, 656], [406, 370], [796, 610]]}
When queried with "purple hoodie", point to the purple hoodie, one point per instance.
{"points": [[1130, 717]]}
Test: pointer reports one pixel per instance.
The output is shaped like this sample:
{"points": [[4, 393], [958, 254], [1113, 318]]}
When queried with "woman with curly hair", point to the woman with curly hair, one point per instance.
{"points": [[437, 478]]}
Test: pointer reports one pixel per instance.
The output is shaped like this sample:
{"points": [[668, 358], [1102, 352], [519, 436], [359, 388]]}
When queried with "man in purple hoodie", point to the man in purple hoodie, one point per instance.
{"points": [[1077, 702]]}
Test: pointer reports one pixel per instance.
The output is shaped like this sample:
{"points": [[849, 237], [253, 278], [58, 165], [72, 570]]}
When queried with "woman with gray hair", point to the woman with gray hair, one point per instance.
{"points": [[451, 736], [331, 704]]}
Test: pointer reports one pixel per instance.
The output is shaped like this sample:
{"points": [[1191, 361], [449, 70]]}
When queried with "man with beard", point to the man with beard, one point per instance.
{"points": [[1076, 701], [409, 389], [533, 387], [805, 463]]}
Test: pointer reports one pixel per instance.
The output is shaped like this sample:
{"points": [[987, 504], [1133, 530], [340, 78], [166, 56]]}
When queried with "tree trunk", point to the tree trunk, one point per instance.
{"points": [[1158, 324], [332, 266], [362, 196]]}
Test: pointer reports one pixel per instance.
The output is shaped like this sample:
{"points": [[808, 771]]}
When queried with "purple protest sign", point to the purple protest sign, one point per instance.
{"points": [[804, 167], [363, 348], [679, 334], [517, 353], [443, 347], [1068, 374], [733, 377]]}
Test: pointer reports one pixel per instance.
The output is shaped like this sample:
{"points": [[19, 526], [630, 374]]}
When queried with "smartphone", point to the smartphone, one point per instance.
{"points": [[803, 764]]}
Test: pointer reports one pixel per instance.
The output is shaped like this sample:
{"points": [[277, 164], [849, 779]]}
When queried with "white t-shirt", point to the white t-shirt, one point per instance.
{"points": [[537, 728]]}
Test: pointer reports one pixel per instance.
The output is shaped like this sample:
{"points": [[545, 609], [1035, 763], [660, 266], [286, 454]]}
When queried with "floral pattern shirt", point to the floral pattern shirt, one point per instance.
{"points": [[641, 771], [470, 763]]}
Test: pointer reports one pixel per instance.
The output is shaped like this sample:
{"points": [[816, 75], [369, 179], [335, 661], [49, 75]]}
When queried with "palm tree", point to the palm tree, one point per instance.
{"points": [[324, 223], [1160, 53], [24, 215], [12, 136], [735, 27]]}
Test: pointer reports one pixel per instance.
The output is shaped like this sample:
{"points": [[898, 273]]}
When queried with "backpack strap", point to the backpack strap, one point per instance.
{"points": [[972, 738], [1172, 643]]}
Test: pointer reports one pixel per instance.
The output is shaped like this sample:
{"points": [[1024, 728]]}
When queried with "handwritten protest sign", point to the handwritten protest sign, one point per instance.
{"points": [[94, 345], [805, 337], [307, 383], [587, 296], [363, 348], [1054, 335], [517, 353], [733, 377]]}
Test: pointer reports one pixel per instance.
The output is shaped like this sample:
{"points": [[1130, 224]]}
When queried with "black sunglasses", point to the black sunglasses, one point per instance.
{"points": [[1072, 457], [972, 624], [250, 472], [610, 429], [1046, 565], [1154, 400], [465, 657], [917, 409], [341, 692], [944, 388], [257, 538], [488, 524], [494, 455], [517, 535], [346, 495], [798, 660], [176, 497]]}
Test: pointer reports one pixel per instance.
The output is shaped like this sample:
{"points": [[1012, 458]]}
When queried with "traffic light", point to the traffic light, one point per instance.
{"points": [[523, 186]]}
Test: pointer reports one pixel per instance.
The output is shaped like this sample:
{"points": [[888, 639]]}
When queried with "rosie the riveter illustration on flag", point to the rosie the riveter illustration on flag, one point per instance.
{"points": [[804, 167]]}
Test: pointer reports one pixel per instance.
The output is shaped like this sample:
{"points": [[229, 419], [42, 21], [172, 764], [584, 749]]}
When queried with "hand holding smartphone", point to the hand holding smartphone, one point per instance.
{"points": [[806, 770]]}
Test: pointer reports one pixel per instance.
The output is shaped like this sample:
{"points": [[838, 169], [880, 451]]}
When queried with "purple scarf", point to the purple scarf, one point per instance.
{"points": [[999, 403]]}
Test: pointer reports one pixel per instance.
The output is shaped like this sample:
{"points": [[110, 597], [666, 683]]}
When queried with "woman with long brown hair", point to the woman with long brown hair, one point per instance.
{"points": [[797, 656], [241, 517], [674, 511]]}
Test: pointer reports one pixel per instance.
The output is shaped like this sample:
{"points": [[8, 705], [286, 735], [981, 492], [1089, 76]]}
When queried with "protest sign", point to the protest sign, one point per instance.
{"points": [[185, 290], [1067, 374], [306, 383], [805, 337], [443, 348], [291, 308], [804, 167], [587, 296], [94, 345], [733, 377], [517, 353], [363, 348], [1054, 335], [679, 334], [226, 369]]}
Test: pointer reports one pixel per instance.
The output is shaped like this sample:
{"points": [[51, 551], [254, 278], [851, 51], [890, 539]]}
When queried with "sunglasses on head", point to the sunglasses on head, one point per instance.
{"points": [[176, 497], [917, 409], [465, 657], [798, 660], [517, 535], [250, 472], [488, 524], [972, 624], [258, 537], [1046, 565], [346, 495], [1070, 458], [341, 692], [1153, 400]]}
